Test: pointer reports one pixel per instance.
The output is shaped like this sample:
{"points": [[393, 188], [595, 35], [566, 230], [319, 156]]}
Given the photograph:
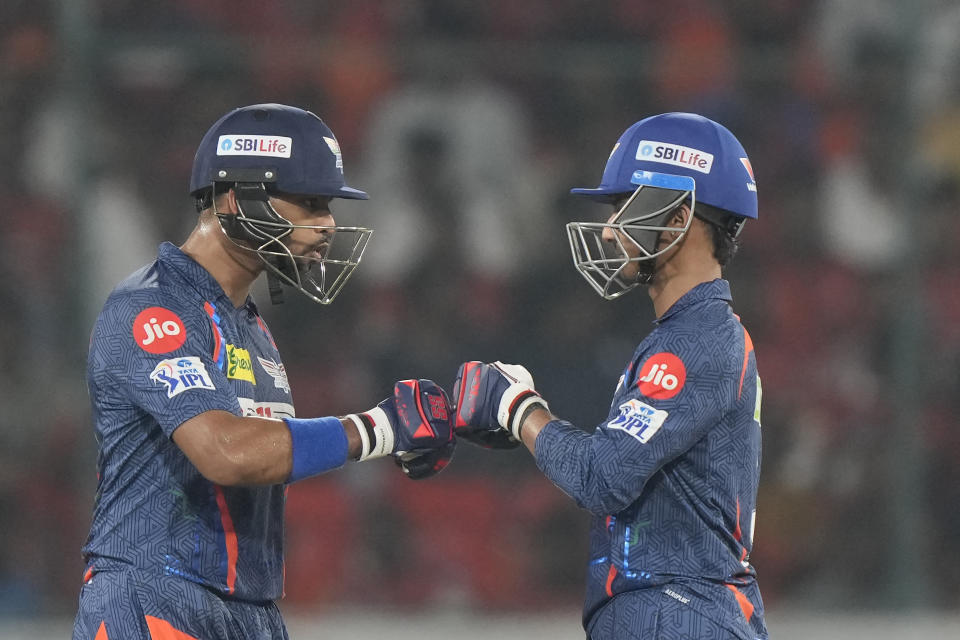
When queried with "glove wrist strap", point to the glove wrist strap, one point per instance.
{"points": [[513, 407], [376, 434], [524, 408]]}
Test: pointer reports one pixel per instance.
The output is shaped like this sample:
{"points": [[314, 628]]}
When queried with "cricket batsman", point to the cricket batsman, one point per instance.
{"points": [[670, 477], [197, 435]]}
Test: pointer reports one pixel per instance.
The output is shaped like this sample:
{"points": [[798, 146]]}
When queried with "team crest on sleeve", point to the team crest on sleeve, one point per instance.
{"points": [[181, 374], [277, 371], [638, 419], [662, 376], [159, 330]]}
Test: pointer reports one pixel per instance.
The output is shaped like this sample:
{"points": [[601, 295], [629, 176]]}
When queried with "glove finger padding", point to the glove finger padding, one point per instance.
{"points": [[491, 400], [424, 417], [468, 423], [425, 464], [470, 414]]}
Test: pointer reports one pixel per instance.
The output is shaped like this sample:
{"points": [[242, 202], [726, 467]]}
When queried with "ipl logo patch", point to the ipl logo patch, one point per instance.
{"points": [[180, 374], [638, 419]]}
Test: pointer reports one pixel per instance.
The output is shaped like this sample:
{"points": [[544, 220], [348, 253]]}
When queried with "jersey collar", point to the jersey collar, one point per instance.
{"points": [[196, 276], [715, 289]]}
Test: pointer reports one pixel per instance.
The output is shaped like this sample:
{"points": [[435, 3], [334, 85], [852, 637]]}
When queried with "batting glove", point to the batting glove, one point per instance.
{"points": [[418, 466], [491, 402], [414, 425]]}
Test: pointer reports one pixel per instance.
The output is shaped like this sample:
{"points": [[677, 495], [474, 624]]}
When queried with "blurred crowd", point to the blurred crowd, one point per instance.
{"points": [[467, 122]]}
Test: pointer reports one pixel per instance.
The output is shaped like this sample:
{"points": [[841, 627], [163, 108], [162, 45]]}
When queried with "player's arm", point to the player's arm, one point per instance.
{"points": [[413, 425], [605, 471], [231, 450]]}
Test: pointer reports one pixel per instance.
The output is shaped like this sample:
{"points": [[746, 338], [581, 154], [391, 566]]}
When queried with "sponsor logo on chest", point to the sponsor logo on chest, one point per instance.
{"points": [[239, 364], [251, 407]]}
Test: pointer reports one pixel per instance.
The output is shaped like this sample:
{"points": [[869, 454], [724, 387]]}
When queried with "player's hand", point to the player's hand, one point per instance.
{"points": [[491, 402], [416, 419], [418, 466]]}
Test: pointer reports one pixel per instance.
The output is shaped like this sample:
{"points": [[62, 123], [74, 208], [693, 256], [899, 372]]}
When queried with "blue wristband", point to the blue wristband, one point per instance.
{"points": [[319, 444]]}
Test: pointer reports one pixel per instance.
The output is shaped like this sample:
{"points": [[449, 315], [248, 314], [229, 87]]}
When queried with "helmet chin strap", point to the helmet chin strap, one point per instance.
{"points": [[647, 269], [258, 228], [253, 201], [275, 287]]}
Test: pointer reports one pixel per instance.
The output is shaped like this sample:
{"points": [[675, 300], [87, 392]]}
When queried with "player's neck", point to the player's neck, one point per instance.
{"points": [[678, 276], [232, 268]]}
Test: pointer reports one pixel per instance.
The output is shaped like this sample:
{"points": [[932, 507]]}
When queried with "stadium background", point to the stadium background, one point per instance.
{"points": [[468, 122]]}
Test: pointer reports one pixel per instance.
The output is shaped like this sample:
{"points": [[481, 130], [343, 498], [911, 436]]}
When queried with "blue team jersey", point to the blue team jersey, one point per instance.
{"points": [[168, 346], [671, 475]]}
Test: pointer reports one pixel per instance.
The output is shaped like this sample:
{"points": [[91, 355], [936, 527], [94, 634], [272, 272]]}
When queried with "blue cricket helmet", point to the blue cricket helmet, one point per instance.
{"points": [[683, 144], [264, 149], [288, 148]]}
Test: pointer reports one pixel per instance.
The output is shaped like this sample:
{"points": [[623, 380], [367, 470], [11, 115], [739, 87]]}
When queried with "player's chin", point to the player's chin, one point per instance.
{"points": [[643, 271]]}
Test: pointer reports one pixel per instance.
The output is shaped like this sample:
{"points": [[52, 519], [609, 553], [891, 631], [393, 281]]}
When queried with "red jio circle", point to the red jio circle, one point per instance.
{"points": [[159, 330], [662, 376]]}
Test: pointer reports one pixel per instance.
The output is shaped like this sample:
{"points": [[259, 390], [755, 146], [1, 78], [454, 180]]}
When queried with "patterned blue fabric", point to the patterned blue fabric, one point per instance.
{"points": [[671, 476], [168, 346], [130, 604]]}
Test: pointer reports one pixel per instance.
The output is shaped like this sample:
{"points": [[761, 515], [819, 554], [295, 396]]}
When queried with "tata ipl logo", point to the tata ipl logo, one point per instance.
{"points": [[180, 374], [639, 419]]}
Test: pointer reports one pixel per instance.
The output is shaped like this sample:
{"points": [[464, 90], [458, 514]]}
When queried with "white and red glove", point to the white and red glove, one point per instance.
{"points": [[492, 400]]}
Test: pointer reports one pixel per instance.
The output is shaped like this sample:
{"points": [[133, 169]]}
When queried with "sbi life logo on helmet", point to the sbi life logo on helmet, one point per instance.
{"points": [[675, 154], [250, 145]]}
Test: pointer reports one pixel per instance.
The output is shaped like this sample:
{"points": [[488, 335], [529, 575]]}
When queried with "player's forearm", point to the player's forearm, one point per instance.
{"points": [[246, 451], [567, 456], [265, 455], [261, 454], [533, 423]]}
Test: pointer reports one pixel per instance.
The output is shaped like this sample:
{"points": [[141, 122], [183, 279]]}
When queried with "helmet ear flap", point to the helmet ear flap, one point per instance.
{"points": [[254, 206]]}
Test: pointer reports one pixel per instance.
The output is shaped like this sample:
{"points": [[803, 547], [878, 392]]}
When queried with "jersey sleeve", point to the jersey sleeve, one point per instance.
{"points": [[666, 402], [162, 357]]}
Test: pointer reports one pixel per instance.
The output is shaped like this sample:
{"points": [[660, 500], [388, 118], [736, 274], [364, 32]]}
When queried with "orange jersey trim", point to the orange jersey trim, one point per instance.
{"points": [[163, 630], [610, 576], [747, 348], [102, 632], [745, 605], [229, 538]]}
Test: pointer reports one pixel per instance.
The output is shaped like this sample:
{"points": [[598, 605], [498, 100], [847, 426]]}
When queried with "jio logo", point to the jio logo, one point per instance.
{"points": [[662, 376], [158, 330]]}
